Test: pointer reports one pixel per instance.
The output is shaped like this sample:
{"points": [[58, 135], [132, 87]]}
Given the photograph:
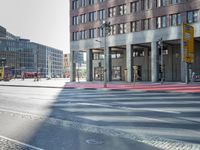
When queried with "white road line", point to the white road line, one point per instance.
{"points": [[129, 108], [161, 110], [18, 142]]}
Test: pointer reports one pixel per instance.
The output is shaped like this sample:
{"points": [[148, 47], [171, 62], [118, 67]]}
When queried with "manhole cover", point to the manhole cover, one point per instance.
{"points": [[94, 142]]}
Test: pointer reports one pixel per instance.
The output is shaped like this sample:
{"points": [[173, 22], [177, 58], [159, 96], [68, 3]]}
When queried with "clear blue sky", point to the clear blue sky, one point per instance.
{"points": [[41, 21]]}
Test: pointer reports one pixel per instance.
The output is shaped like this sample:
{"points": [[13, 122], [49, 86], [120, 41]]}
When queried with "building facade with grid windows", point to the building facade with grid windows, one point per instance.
{"points": [[135, 27], [22, 55]]}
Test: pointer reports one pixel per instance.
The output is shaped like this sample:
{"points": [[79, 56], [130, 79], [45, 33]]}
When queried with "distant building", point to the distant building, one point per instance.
{"points": [[132, 42], [22, 55], [2, 32], [67, 65]]}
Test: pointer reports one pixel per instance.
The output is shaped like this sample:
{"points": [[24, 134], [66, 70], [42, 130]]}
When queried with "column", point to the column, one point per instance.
{"points": [[145, 68], [72, 67], [89, 65], [109, 63], [154, 62], [129, 63], [168, 61]]}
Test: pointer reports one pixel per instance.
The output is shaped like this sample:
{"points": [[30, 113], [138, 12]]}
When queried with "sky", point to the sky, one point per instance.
{"points": [[42, 21]]}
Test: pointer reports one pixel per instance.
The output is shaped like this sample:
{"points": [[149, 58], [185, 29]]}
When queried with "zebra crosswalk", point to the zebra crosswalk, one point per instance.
{"points": [[169, 115], [159, 119]]}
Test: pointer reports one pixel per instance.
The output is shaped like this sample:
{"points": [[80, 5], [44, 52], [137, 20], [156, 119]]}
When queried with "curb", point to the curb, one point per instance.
{"points": [[99, 89], [31, 86]]}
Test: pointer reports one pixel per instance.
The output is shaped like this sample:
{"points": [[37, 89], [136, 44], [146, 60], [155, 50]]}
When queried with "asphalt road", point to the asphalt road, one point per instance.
{"points": [[73, 119]]}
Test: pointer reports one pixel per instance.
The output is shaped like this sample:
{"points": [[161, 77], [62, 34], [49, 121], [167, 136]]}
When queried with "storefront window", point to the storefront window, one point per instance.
{"points": [[98, 73], [116, 73]]}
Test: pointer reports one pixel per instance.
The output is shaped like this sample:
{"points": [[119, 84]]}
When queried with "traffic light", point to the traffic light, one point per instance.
{"points": [[159, 43], [99, 64]]}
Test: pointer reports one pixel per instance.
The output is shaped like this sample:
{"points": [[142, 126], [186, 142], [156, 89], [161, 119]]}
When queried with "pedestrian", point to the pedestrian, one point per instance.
{"points": [[22, 75], [35, 76], [193, 77]]}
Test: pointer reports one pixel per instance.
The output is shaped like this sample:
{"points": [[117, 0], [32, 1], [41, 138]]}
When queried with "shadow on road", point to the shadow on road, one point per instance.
{"points": [[79, 116]]}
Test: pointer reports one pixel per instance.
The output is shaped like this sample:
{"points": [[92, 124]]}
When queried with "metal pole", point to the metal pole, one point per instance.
{"points": [[37, 65], [15, 64], [105, 57], [162, 61], [187, 73]]}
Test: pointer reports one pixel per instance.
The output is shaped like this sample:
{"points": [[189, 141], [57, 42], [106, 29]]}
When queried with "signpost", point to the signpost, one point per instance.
{"points": [[188, 47]]}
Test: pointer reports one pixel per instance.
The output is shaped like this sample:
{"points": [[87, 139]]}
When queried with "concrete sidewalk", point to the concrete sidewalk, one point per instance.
{"points": [[139, 86]]}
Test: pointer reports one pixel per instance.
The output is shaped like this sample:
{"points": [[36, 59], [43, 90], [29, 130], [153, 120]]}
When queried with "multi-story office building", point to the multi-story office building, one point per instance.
{"points": [[24, 55], [135, 27], [2, 32]]}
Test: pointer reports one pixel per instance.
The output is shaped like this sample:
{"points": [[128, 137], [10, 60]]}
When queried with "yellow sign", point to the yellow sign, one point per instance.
{"points": [[1, 73], [188, 43]]}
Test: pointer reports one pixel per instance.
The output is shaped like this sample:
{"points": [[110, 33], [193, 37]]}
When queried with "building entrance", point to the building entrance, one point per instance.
{"points": [[98, 73], [137, 73]]}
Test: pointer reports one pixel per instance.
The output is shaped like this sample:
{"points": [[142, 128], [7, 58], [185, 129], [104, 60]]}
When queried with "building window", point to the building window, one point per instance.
{"points": [[161, 22], [83, 18], [160, 3], [91, 2], [138, 53], [122, 28], [75, 36], [146, 24], [135, 6], [112, 12], [101, 1], [135, 26], [116, 55], [92, 16], [101, 14], [116, 73], [145, 4], [92, 33], [192, 16], [122, 9], [101, 32], [83, 35], [74, 4], [75, 20], [175, 1], [83, 3], [98, 56], [113, 29], [175, 19]]}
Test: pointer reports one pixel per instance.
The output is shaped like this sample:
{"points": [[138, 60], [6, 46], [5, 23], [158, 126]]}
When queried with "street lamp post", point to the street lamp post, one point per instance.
{"points": [[106, 29]]}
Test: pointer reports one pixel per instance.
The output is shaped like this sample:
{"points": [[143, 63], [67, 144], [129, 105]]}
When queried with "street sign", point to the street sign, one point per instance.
{"points": [[78, 57], [188, 43]]}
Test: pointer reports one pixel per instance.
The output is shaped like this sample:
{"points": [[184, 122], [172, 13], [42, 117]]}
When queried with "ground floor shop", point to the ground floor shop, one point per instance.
{"points": [[129, 58]]}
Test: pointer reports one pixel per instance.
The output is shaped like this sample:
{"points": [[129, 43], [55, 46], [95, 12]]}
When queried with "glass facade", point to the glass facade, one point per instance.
{"points": [[25, 56]]}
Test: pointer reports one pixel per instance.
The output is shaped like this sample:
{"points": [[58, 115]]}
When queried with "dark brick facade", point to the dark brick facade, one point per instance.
{"points": [[151, 13]]}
